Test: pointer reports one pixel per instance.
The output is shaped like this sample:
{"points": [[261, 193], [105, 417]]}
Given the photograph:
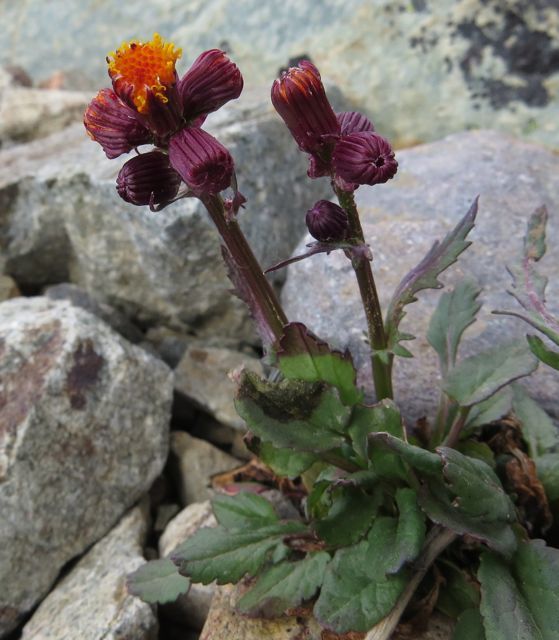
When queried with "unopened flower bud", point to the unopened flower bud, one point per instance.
{"points": [[211, 81], [327, 221], [114, 125], [364, 158], [203, 163], [300, 99], [148, 179]]}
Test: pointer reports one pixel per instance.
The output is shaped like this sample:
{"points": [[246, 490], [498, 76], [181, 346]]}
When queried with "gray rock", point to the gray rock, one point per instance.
{"points": [[61, 220], [8, 288], [202, 376], [80, 298], [29, 114], [190, 609], [422, 69], [434, 187], [196, 461], [224, 622], [91, 602], [84, 429]]}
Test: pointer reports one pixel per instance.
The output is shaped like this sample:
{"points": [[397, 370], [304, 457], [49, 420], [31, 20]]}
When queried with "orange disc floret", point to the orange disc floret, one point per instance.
{"points": [[137, 67]]}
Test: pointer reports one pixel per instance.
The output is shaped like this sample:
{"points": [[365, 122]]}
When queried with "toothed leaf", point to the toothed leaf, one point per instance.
{"points": [[477, 378], [425, 274], [157, 582], [302, 356]]}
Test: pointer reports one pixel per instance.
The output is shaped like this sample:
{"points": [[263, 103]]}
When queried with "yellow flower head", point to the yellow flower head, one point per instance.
{"points": [[137, 67]]}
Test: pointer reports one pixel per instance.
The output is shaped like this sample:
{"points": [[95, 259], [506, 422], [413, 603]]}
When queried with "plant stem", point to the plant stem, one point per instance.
{"points": [[441, 420], [454, 433], [436, 542], [247, 275], [371, 304]]}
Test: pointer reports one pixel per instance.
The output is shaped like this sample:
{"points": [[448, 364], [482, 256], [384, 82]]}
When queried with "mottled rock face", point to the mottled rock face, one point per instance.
{"points": [[84, 428], [202, 376], [92, 602], [435, 185], [61, 220], [421, 68]]}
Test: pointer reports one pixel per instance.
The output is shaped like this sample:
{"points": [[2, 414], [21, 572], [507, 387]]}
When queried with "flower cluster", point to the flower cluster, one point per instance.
{"points": [[343, 146], [150, 104]]}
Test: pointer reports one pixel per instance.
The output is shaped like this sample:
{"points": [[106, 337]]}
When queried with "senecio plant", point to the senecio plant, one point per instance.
{"points": [[393, 523]]}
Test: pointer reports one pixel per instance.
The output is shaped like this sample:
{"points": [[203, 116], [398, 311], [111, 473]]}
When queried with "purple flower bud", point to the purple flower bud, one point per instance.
{"points": [[210, 82], [299, 98], [148, 179], [364, 158], [327, 221], [203, 163], [113, 125], [353, 122]]}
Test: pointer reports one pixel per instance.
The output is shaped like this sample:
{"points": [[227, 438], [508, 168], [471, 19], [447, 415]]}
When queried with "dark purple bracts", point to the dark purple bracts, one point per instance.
{"points": [[114, 125], [327, 222], [364, 158], [149, 103], [211, 81], [300, 99], [202, 162], [148, 179], [353, 122]]}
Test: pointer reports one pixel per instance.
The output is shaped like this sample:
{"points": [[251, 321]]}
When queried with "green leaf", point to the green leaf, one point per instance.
{"points": [[220, 554], [357, 592], [349, 517], [542, 352], [365, 420], [460, 591], [548, 472], [521, 601], [243, 510], [460, 493], [455, 312], [479, 450], [478, 489], [425, 274], [536, 569], [494, 408], [284, 462], [477, 378], [538, 430], [478, 505], [420, 459], [505, 612], [469, 626], [441, 507], [303, 356], [410, 532], [303, 416], [157, 582], [285, 586]]}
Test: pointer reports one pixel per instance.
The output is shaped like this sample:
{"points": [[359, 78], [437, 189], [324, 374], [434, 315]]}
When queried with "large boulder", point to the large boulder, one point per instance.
{"points": [[434, 187], [27, 114], [62, 220], [423, 69], [84, 431], [91, 602]]}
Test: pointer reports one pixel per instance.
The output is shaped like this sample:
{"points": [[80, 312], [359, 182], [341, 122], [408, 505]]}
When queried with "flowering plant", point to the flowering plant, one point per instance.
{"points": [[387, 514]]}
